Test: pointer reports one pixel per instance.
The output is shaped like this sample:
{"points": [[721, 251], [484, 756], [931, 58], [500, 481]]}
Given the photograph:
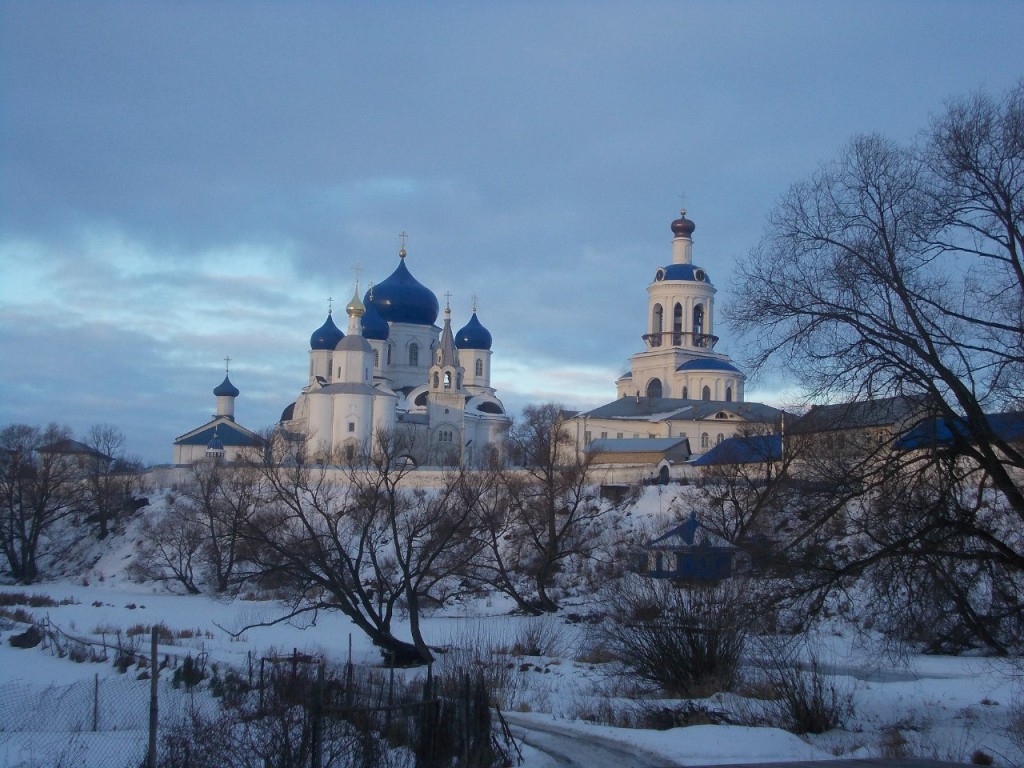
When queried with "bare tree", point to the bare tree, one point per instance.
{"points": [[37, 491], [363, 544], [110, 475], [898, 271], [540, 515], [201, 539]]}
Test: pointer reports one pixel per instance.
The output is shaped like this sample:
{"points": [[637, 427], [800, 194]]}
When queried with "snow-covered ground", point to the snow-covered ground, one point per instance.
{"points": [[938, 707]]}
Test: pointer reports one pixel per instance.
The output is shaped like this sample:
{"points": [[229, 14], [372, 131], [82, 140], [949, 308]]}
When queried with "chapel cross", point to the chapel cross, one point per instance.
{"points": [[227, 363]]}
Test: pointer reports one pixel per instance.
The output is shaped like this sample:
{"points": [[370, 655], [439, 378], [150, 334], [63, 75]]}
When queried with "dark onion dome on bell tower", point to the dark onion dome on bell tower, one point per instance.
{"points": [[374, 326], [327, 335], [225, 388], [683, 227], [401, 298], [473, 335]]}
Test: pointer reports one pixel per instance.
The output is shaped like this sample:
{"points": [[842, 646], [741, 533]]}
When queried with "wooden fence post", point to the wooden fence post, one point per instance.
{"points": [[155, 670]]}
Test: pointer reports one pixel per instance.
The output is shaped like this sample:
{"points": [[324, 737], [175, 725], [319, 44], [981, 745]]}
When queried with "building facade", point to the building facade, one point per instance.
{"points": [[396, 371], [678, 385]]}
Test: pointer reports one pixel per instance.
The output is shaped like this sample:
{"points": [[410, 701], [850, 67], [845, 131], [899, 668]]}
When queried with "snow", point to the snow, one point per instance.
{"points": [[943, 707]]}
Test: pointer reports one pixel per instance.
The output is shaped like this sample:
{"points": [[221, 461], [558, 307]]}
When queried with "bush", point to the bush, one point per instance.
{"points": [[803, 698], [688, 640]]}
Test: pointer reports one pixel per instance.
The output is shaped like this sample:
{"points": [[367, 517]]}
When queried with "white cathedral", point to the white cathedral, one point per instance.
{"points": [[392, 370], [395, 370]]}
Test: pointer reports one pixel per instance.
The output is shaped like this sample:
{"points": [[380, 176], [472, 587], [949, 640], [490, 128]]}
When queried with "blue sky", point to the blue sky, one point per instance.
{"points": [[180, 182]]}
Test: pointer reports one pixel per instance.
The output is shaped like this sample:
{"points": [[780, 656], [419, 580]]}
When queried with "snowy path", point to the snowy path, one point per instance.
{"points": [[567, 747]]}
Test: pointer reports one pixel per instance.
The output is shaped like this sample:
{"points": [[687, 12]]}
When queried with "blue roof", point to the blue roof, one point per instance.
{"points": [[225, 388], [686, 272], [636, 444], [374, 326], [222, 429], [326, 336], [754, 449], [473, 335], [707, 364], [401, 298], [944, 432]]}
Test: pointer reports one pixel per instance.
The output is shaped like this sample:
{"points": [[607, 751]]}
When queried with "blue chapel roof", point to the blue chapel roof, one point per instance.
{"points": [[326, 336], [401, 298], [686, 272], [473, 335], [225, 388], [374, 326]]}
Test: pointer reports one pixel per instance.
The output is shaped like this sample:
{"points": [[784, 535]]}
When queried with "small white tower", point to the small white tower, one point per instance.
{"points": [[226, 392], [446, 398]]}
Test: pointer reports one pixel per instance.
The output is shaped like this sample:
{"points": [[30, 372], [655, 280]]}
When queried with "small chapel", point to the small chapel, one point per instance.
{"points": [[395, 370]]}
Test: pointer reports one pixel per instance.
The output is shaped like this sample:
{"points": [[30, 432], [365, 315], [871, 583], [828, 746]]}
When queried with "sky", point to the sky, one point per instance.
{"points": [[184, 182]]}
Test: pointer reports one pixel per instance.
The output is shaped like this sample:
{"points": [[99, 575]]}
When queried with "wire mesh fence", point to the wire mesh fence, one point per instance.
{"points": [[283, 710]]}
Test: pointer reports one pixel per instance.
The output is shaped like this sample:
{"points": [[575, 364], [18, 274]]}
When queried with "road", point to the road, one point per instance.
{"points": [[568, 748]]}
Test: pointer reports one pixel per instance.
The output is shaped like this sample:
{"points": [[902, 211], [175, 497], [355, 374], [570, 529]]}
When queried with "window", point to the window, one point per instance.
{"points": [[350, 452], [705, 441], [698, 321], [686, 393], [656, 326], [728, 394], [586, 437], [414, 354], [437, 381], [447, 380], [677, 325], [618, 435], [376, 358], [351, 426], [479, 367], [720, 438], [389, 354], [654, 388], [604, 435], [706, 394]]}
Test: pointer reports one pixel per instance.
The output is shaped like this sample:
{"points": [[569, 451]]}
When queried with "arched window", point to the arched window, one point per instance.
{"points": [[677, 325], [706, 394], [414, 354], [447, 380], [376, 358], [686, 393], [720, 438], [728, 394], [479, 367], [389, 354], [705, 441], [657, 326], [437, 381], [698, 323], [654, 388]]}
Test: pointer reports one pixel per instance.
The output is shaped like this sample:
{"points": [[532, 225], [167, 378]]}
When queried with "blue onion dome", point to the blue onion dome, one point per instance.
{"points": [[215, 445], [326, 336], [473, 335], [683, 227], [401, 298], [225, 388], [374, 326]]}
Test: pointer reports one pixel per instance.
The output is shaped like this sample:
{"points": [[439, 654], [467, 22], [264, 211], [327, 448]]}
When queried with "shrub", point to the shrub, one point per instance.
{"points": [[686, 639], [803, 698]]}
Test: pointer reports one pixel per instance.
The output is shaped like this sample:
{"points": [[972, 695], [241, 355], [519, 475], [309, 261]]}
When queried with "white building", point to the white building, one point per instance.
{"points": [[677, 386], [396, 370]]}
